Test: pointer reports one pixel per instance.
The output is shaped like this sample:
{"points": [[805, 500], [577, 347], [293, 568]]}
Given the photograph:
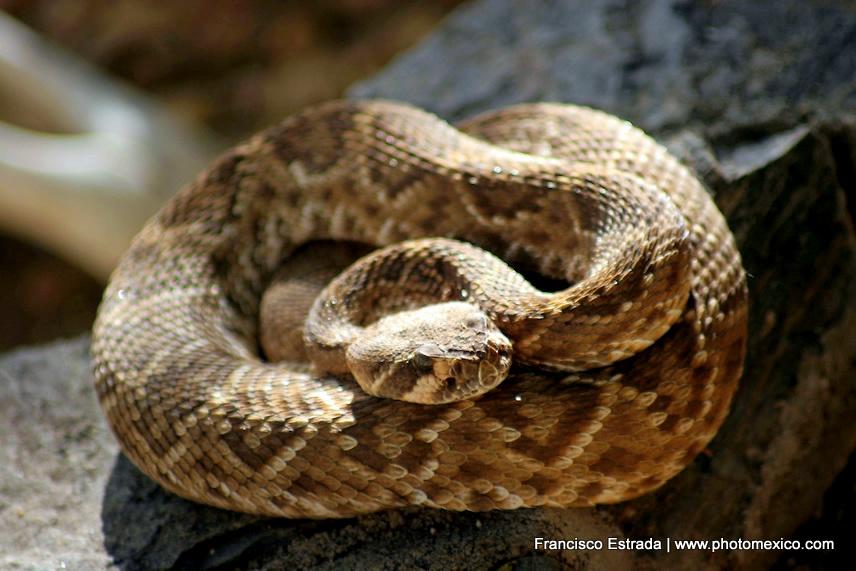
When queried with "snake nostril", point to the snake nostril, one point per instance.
{"points": [[451, 383], [422, 361]]}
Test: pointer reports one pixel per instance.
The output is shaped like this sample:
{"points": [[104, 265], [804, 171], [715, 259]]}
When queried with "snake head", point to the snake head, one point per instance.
{"points": [[436, 354]]}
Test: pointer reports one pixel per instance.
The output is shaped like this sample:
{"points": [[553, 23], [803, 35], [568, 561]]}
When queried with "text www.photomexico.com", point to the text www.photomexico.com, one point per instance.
{"points": [[669, 544]]}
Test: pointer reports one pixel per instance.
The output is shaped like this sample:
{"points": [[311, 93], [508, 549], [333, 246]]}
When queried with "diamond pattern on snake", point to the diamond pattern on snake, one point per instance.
{"points": [[365, 307]]}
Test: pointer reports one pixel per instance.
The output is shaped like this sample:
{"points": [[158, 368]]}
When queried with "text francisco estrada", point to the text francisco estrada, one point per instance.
{"points": [[612, 543]]}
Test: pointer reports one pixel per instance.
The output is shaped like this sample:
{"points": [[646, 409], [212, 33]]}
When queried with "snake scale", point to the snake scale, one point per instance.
{"points": [[624, 359]]}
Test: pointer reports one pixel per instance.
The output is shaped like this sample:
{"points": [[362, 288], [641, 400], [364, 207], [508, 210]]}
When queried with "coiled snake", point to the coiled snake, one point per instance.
{"points": [[622, 366]]}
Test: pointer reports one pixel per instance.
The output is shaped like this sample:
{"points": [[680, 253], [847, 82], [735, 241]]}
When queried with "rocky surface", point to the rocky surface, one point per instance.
{"points": [[756, 98], [56, 455], [665, 65]]}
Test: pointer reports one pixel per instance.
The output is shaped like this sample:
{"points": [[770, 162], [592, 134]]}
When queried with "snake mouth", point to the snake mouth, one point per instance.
{"points": [[473, 376]]}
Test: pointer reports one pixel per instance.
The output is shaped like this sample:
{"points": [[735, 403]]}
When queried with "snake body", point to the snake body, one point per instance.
{"points": [[620, 376]]}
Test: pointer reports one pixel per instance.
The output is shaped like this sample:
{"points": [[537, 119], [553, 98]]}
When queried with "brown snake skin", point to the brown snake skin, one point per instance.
{"points": [[175, 348]]}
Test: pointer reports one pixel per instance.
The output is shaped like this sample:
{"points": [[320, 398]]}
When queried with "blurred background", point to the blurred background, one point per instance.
{"points": [[226, 67]]}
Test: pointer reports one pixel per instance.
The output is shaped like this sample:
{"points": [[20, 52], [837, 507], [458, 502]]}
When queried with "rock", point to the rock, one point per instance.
{"points": [[56, 455], [665, 65], [756, 98]]}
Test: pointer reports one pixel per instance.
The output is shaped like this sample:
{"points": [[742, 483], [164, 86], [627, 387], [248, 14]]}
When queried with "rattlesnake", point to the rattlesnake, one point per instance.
{"points": [[617, 380]]}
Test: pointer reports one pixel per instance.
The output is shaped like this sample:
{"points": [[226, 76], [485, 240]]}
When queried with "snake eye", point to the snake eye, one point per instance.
{"points": [[422, 362], [476, 322]]}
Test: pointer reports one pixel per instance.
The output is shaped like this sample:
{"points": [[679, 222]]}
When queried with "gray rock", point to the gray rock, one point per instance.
{"points": [[662, 64], [56, 455], [756, 96]]}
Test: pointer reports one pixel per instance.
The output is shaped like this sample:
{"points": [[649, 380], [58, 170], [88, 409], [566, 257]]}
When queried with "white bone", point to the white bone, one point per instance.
{"points": [[112, 159]]}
